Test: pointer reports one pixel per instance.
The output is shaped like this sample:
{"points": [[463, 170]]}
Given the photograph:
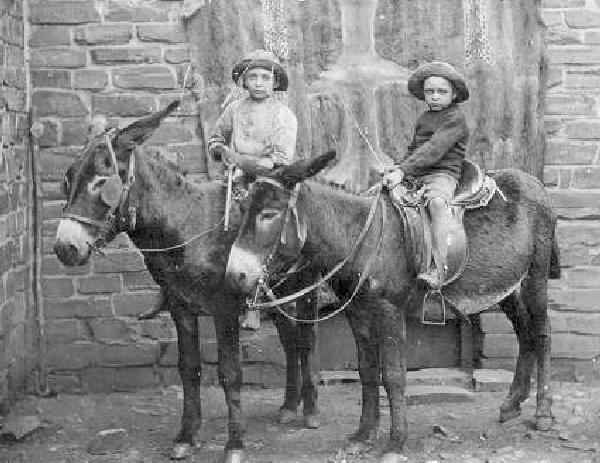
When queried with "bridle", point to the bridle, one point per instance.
{"points": [[265, 277], [121, 216]]}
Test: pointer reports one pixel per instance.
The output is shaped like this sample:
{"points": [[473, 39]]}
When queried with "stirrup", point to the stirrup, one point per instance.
{"points": [[428, 295]]}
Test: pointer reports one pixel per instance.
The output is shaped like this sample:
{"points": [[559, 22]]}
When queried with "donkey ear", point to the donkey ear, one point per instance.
{"points": [[303, 169], [138, 132]]}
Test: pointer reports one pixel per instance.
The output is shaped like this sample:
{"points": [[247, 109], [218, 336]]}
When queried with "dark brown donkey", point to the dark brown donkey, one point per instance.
{"points": [[512, 253], [151, 201]]}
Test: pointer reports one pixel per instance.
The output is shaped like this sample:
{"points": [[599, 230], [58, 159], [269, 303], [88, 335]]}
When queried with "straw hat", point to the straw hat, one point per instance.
{"points": [[262, 59], [439, 69]]}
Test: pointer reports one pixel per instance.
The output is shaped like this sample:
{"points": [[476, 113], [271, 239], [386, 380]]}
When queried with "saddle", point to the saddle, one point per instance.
{"points": [[474, 190]]}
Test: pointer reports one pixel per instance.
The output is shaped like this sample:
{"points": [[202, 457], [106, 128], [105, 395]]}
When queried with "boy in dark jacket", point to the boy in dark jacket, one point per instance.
{"points": [[436, 153]]}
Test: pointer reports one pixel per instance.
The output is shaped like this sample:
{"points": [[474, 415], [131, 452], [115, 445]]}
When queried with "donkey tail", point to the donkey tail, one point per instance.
{"points": [[554, 272]]}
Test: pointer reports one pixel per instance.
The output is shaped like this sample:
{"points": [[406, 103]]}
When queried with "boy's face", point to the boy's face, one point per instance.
{"points": [[439, 93], [259, 82]]}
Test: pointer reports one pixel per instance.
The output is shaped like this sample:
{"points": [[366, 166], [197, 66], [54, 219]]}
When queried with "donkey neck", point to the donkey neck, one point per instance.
{"points": [[171, 207]]}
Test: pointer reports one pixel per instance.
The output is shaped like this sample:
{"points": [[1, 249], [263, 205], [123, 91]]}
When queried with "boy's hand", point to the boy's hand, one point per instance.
{"points": [[392, 178]]}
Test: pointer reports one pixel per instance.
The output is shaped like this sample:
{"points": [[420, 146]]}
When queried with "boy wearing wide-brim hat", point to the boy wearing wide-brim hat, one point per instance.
{"points": [[436, 153], [256, 133]]}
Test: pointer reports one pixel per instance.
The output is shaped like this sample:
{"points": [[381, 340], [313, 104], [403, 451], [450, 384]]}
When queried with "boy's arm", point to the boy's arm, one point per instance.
{"points": [[444, 138], [221, 136]]}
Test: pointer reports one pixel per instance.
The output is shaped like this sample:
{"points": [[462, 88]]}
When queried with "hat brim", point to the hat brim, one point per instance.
{"points": [[281, 78], [439, 69]]}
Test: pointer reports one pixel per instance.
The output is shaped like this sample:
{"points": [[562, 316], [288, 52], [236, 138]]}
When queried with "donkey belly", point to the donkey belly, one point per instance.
{"points": [[500, 248]]}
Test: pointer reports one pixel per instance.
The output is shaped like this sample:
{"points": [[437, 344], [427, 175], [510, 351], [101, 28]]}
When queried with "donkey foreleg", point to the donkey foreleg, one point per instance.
{"points": [[287, 336], [230, 375], [189, 365], [393, 349], [367, 349]]}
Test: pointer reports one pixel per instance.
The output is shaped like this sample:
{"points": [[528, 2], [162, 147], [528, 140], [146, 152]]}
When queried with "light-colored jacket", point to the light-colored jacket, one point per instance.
{"points": [[265, 128]]}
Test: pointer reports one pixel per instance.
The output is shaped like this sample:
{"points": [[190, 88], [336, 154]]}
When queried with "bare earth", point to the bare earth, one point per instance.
{"points": [[448, 432]]}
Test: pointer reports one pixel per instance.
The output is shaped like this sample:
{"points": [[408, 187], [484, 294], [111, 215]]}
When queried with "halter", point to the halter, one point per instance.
{"points": [[274, 302], [125, 212]]}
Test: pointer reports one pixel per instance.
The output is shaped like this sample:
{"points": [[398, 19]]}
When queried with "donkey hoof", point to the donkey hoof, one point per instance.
{"points": [[392, 457], [544, 423], [234, 456], [509, 414], [286, 416], [312, 421], [181, 451]]}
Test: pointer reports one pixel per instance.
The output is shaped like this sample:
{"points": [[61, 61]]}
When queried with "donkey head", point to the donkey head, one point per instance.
{"points": [[273, 231], [96, 185]]}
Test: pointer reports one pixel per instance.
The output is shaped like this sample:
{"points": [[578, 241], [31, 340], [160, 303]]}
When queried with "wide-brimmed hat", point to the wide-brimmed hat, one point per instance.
{"points": [[439, 69], [262, 59]]}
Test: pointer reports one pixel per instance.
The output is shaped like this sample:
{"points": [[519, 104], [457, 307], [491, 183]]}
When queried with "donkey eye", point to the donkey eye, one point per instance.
{"points": [[268, 214], [107, 162]]}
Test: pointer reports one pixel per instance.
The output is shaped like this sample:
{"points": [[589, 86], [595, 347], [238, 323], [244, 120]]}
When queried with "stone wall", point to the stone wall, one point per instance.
{"points": [[572, 173], [18, 325], [117, 60]]}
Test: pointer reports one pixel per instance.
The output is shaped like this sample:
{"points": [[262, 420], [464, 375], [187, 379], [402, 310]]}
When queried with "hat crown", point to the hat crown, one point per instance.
{"points": [[261, 55]]}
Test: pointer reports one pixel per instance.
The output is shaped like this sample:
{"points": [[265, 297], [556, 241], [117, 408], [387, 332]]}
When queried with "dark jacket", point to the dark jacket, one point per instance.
{"points": [[438, 144]]}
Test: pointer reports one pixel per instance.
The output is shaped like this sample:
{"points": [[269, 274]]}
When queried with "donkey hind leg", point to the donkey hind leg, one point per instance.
{"points": [[516, 312], [189, 365], [536, 299], [309, 361], [286, 329], [361, 319], [230, 376], [393, 361]]}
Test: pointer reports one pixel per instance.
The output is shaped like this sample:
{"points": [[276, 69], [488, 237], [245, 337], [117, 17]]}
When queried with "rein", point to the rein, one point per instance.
{"points": [[276, 302]]}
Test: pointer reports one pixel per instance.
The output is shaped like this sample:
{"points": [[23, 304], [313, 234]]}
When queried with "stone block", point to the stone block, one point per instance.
{"points": [[563, 3], [53, 166], [131, 379], [144, 77], [427, 395], [167, 33], [90, 79], [97, 380], [133, 304], [139, 280], [64, 382], [64, 331], [500, 345], [576, 323], [262, 348], [110, 329], [50, 135], [104, 34], [64, 12], [139, 12], [575, 346], [574, 55], [48, 36], [495, 322], [582, 277], [582, 18], [161, 328], [586, 177], [57, 104], [77, 308], [123, 105], [570, 152], [553, 18], [177, 55], [51, 210], [73, 356], [582, 78], [58, 58], [51, 78], [591, 37], [563, 36], [74, 133], [496, 380], [109, 56], [99, 284], [57, 287], [578, 233], [583, 129], [171, 132], [118, 355], [571, 105], [120, 262]]}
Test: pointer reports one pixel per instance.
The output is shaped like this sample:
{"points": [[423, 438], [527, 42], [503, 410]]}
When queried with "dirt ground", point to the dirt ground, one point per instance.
{"points": [[445, 432]]}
